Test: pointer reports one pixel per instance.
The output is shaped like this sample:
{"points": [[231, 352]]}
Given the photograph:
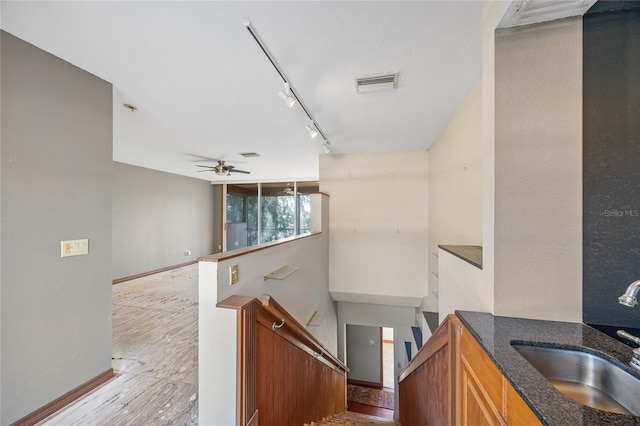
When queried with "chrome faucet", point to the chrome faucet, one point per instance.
{"points": [[635, 359], [629, 299], [629, 296]]}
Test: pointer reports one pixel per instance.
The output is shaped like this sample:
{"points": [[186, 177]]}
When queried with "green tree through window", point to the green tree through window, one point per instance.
{"points": [[235, 208], [281, 206]]}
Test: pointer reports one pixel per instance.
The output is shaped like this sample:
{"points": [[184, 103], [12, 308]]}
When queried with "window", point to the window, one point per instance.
{"points": [[278, 213], [242, 223], [236, 208], [303, 199], [260, 213]]}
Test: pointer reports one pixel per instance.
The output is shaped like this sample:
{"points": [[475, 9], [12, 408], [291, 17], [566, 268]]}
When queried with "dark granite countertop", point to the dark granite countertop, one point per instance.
{"points": [[495, 334], [470, 254]]}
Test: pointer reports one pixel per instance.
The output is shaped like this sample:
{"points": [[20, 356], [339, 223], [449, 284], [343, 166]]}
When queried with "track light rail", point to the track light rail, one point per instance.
{"points": [[265, 50]]}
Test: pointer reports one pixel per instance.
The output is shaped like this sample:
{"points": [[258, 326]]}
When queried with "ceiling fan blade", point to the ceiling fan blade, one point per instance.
{"points": [[200, 171], [234, 170], [210, 167]]}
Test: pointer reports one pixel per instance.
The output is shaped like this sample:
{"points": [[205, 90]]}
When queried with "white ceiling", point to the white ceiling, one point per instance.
{"points": [[204, 89]]}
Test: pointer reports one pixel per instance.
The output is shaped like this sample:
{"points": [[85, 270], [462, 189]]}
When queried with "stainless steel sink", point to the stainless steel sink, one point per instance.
{"points": [[586, 378]]}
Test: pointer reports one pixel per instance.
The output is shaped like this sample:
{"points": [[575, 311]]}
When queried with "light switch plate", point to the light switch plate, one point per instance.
{"points": [[74, 248], [233, 274]]}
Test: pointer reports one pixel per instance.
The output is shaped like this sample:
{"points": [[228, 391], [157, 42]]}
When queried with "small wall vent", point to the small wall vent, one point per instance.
{"points": [[376, 82], [249, 154]]}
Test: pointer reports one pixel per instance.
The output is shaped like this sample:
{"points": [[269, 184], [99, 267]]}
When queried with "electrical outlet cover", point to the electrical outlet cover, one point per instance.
{"points": [[233, 274], [74, 248]]}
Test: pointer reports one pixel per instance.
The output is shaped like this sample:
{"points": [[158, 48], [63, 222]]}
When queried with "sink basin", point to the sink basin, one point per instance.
{"points": [[586, 378]]}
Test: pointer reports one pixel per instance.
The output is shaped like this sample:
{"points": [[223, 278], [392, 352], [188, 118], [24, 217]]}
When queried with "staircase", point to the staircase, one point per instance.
{"points": [[348, 418]]}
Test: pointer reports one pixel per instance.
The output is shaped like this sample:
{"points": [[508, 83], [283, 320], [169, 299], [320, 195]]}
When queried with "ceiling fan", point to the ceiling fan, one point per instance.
{"points": [[222, 169]]}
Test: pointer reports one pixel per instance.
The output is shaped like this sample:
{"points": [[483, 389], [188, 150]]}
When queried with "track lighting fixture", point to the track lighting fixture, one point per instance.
{"points": [[326, 148], [290, 96], [289, 100], [313, 132]]}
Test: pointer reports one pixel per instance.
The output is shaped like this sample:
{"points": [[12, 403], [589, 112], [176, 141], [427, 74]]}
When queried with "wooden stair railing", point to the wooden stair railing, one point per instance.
{"points": [[285, 376], [426, 386]]}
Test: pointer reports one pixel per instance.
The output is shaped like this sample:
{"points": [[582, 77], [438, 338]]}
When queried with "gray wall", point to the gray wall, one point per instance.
{"points": [[157, 217], [363, 358], [611, 173], [56, 139]]}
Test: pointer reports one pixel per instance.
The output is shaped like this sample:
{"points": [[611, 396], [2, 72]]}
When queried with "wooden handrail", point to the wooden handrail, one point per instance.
{"points": [[299, 336], [268, 318], [426, 386], [225, 255], [438, 340], [246, 402]]}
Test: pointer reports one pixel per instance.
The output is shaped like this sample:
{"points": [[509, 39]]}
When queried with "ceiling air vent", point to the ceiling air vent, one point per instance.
{"points": [[376, 82], [249, 154], [527, 12]]}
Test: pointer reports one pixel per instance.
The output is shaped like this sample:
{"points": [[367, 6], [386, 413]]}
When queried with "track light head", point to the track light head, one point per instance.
{"points": [[313, 131], [326, 148], [289, 100]]}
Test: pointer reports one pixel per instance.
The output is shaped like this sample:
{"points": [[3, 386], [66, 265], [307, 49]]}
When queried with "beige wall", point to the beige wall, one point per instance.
{"points": [[462, 287], [492, 13], [460, 127], [531, 168], [455, 182], [378, 226], [538, 171]]}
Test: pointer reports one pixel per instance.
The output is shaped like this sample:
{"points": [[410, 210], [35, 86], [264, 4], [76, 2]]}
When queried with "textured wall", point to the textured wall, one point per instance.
{"points": [[462, 286], [455, 182], [378, 227], [56, 185], [157, 217], [538, 171], [492, 13], [611, 165]]}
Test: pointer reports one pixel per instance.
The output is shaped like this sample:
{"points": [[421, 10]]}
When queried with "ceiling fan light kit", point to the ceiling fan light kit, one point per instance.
{"points": [[289, 96], [222, 169]]}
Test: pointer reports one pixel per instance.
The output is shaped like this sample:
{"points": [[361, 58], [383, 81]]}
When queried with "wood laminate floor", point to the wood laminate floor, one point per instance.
{"points": [[155, 356]]}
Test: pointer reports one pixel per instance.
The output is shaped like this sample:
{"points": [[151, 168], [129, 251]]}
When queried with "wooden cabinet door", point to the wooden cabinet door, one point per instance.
{"points": [[475, 408], [518, 412], [484, 395]]}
